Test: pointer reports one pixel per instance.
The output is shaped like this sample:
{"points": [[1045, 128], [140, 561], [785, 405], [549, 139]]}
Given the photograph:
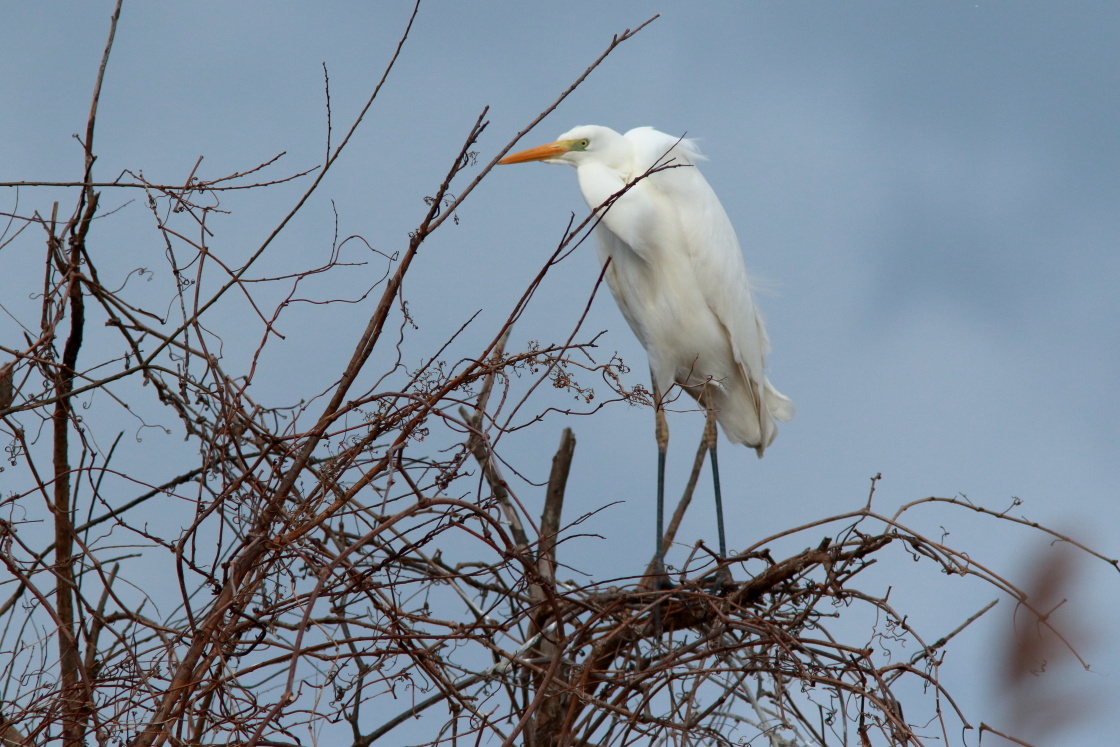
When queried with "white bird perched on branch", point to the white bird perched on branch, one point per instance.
{"points": [[675, 269]]}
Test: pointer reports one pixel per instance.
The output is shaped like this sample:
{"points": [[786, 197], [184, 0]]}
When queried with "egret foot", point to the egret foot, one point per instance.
{"points": [[718, 580], [661, 583]]}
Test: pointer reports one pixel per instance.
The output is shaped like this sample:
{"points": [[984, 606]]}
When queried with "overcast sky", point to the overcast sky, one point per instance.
{"points": [[928, 191]]}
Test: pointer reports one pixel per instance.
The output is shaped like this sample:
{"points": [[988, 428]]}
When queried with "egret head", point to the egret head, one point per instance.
{"points": [[580, 145]]}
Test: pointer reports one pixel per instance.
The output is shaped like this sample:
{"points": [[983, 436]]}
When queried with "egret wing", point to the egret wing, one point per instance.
{"points": [[717, 259]]}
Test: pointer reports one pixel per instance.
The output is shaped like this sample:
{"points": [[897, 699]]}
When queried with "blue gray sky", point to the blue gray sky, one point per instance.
{"points": [[929, 193]]}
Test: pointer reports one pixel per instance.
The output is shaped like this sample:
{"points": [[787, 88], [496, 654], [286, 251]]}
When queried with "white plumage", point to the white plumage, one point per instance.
{"points": [[676, 272]]}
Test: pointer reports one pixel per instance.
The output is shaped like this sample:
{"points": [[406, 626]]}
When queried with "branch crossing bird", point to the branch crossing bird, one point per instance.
{"points": [[674, 266]]}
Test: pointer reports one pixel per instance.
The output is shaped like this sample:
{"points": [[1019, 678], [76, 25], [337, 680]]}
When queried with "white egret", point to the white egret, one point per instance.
{"points": [[676, 272]]}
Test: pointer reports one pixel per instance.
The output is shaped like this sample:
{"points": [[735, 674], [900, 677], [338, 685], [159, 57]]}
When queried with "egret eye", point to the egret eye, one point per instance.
{"points": [[584, 143]]}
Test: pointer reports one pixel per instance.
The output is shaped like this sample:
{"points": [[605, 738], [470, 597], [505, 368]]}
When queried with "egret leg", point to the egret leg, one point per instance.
{"points": [[711, 437], [661, 431]]}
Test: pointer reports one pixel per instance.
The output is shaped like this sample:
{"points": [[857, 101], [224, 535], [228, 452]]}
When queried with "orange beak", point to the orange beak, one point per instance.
{"points": [[540, 153]]}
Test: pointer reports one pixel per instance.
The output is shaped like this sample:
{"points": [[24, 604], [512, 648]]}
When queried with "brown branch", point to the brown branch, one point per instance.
{"points": [[77, 699], [554, 504]]}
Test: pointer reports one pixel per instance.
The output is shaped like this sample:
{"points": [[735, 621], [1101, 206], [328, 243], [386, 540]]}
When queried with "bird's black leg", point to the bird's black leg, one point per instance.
{"points": [[662, 433], [711, 437], [660, 579]]}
